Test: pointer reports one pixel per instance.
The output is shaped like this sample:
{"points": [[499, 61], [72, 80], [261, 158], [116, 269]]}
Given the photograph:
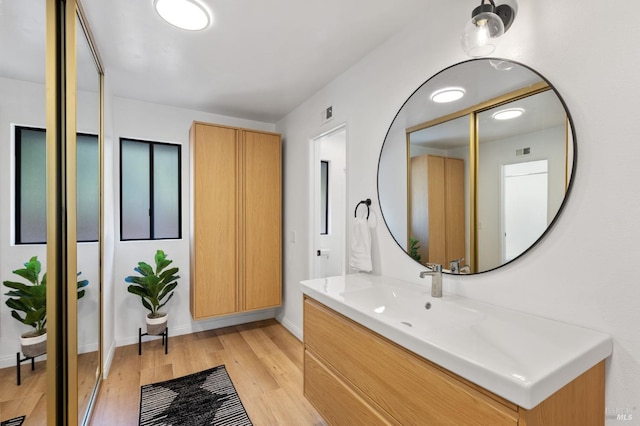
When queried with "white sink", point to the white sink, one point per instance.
{"points": [[521, 357]]}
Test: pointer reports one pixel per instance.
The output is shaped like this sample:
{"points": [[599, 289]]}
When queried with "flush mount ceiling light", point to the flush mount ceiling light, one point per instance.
{"points": [[508, 114], [448, 94], [488, 22], [185, 14]]}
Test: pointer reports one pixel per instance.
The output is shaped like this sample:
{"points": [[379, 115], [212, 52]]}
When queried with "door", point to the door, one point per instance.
{"points": [[329, 204], [525, 195]]}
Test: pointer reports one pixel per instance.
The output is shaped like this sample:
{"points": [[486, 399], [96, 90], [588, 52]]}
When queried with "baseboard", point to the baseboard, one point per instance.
{"points": [[204, 325], [108, 359], [10, 361], [291, 327]]}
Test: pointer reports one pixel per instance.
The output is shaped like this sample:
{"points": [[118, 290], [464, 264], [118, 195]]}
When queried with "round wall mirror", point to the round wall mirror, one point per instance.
{"points": [[476, 166]]}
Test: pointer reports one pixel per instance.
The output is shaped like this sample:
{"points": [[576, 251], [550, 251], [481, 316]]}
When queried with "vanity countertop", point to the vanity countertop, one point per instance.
{"points": [[521, 357]]}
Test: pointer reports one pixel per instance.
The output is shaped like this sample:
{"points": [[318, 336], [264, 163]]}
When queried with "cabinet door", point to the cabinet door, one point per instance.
{"points": [[262, 221], [455, 209], [437, 213], [214, 232]]}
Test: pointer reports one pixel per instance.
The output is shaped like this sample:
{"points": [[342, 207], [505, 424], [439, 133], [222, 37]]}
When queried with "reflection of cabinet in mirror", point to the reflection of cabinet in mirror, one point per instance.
{"points": [[236, 222], [437, 208]]}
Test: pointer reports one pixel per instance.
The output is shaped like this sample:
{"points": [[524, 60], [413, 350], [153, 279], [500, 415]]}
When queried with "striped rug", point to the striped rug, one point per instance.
{"points": [[204, 398]]}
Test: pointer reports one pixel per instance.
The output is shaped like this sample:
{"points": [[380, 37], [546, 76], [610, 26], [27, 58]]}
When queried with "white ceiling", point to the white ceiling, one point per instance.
{"points": [[259, 60]]}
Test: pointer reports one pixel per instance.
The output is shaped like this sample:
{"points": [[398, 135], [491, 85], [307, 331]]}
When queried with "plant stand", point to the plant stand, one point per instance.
{"points": [[165, 339], [20, 361]]}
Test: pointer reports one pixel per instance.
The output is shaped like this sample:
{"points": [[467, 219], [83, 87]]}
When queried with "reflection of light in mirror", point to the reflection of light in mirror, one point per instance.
{"points": [[379, 310], [449, 94], [501, 65], [185, 14], [508, 114]]}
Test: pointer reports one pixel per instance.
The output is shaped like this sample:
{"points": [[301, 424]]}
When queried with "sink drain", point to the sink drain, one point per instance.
{"points": [[427, 305]]}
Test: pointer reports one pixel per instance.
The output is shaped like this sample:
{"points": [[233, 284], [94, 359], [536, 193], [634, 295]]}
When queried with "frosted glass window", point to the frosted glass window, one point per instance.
{"points": [[166, 191], [150, 197], [88, 188], [324, 197], [31, 186]]}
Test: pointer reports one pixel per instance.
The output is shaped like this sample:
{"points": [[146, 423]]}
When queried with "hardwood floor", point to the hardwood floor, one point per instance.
{"points": [[30, 398], [263, 359]]}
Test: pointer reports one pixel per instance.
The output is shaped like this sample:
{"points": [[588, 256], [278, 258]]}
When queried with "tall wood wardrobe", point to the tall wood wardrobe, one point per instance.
{"points": [[236, 220], [436, 216]]}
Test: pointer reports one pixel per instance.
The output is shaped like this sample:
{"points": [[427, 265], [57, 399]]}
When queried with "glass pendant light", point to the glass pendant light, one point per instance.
{"points": [[487, 24]]}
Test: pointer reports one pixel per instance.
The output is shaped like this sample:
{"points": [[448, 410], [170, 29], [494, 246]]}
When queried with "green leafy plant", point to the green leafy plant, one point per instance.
{"points": [[413, 249], [31, 298], [154, 286]]}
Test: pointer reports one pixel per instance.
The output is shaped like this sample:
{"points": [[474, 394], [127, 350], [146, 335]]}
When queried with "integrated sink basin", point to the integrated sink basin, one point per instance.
{"points": [[522, 357], [412, 306]]}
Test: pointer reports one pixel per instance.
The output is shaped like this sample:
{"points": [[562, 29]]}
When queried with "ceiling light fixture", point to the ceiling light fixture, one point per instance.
{"points": [[448, 94], [185, 14], [508, 114], [488, 22]]}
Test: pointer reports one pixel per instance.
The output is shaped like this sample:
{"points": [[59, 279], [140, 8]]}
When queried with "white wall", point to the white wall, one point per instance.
{"points": [[145, 121], [595, 71]]}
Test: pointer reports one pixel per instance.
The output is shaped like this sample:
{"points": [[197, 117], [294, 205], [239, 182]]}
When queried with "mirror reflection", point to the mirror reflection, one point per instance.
{"points": [[473, 183], [22, 104], [87, 218]]}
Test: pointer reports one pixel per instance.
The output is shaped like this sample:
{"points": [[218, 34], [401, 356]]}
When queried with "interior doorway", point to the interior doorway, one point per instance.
{"points": [[329, 205], [525, 194]]}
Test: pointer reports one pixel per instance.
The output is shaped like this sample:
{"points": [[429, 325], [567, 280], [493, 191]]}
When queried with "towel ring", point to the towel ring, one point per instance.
{"points": [[367, 203]]}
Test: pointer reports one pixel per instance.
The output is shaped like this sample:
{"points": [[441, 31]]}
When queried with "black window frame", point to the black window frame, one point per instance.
{"points": [[18, 187], [151, 192], [325, 213]]}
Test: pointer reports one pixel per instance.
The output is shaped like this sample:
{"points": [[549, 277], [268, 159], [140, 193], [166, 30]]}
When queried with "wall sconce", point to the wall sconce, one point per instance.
{"points": [[488, 22]]}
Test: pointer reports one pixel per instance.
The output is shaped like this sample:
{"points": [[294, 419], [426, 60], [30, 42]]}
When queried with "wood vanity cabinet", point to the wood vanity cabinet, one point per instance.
{"points": [[438, 208], [236, 216], [354, 376]]}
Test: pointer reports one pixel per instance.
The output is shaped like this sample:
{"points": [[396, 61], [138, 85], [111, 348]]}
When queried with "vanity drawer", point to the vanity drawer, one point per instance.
{"points": [[337, 403], [409, 388]]}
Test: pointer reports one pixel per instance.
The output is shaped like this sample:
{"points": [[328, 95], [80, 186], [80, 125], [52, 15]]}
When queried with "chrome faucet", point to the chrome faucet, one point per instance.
{"points": [[435, 271], [454, 265]]}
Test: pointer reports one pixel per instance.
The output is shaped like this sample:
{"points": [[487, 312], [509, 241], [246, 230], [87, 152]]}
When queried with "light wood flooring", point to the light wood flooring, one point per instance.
{"points": [[263, 359], [30, 398]]}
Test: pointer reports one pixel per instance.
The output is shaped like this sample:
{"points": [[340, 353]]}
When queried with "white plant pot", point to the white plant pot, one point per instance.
{"points": [[157, 326], [33, 346]]}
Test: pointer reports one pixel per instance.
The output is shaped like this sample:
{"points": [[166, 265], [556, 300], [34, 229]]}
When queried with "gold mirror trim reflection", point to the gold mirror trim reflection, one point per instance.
{"points": [[474, 145], [71, 214], [54, 103], [61, 106]]}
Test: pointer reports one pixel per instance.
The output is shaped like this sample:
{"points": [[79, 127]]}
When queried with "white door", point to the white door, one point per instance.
{"points": [[525, 195], [329, 204]]}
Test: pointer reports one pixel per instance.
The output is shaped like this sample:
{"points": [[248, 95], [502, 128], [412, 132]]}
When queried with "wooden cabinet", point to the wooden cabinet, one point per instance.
{"points": [[438, 208], [349, 369], [236, 247]]}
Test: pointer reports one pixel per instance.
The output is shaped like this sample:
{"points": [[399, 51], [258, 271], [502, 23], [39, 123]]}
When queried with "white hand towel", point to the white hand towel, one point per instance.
{"points": [[360, 258]]}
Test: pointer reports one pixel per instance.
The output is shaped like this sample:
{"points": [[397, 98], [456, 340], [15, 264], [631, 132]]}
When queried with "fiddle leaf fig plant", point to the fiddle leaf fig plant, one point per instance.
{"points": [[28, 301], [155, 287], [413, 249]]}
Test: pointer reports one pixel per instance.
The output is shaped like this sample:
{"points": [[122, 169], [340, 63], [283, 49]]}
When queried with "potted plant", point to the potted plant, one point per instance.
{"points": [[413, 249], [154, 287], [31, 299]]}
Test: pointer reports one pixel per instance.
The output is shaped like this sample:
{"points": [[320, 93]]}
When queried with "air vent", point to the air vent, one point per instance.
{"points": [[523, 151]]}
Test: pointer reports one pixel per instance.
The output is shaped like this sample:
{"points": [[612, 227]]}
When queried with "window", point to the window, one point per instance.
{"points": [[31, 187], [150, 195], [324, 197]]}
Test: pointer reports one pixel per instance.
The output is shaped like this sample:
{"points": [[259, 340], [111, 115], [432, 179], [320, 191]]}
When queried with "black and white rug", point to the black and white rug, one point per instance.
{"points": [[204, 398], [13, 422]]}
